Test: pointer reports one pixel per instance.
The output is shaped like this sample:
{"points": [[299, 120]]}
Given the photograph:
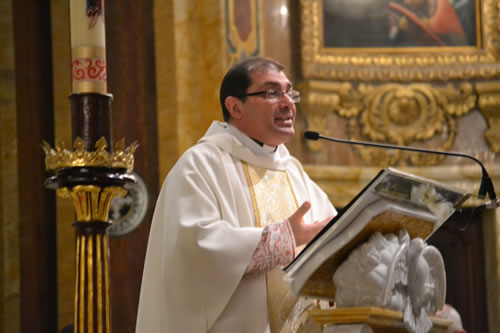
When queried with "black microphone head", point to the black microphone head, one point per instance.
{"points": [[310, 135]]}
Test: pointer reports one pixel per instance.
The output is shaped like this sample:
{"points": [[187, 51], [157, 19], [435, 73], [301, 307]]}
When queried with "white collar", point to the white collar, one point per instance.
{"points": [[234, 141]]}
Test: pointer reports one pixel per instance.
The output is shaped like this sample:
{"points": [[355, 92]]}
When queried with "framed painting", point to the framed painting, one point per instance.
{"points": [[400, 23], [407, 40], [394, 69]]}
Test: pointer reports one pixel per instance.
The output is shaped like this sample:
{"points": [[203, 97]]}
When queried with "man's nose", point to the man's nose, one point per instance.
{"points": [[286, 100]]}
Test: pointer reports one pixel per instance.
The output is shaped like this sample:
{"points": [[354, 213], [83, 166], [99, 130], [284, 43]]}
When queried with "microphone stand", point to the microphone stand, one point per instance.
{"points": [[486, 186]]}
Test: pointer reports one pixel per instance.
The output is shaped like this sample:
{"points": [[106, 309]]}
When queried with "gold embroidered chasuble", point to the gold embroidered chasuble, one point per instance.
{"points": [[273, 200]]}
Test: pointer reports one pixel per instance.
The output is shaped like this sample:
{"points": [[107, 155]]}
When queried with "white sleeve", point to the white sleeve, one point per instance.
{"points": [[198, 250]]}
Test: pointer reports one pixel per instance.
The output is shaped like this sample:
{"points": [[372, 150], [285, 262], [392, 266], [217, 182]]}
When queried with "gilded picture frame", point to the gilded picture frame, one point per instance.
{"points": [[379, 61]]}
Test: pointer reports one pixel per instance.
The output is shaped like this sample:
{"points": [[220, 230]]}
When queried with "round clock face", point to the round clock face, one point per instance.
{"points": [[127, 213]]}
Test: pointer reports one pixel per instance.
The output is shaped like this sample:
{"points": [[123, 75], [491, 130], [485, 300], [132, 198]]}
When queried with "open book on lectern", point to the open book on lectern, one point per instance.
{"points": [[391, 201]]}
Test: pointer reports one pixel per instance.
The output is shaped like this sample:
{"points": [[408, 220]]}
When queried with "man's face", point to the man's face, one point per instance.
{"points": [[270, 122]]}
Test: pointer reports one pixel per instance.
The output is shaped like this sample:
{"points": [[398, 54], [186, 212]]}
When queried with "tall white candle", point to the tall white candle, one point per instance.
{"points": [[88, 46]]}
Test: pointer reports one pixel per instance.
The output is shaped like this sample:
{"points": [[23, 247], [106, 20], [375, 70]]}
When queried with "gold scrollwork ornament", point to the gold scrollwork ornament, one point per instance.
{"points": [[414, 114]]}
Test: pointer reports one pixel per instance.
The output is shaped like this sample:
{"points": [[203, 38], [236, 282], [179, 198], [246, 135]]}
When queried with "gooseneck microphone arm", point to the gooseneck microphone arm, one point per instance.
{"points": [[486, 186]]}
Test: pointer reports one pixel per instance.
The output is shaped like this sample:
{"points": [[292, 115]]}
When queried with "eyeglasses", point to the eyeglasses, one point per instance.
{"points": [[274, 95]]}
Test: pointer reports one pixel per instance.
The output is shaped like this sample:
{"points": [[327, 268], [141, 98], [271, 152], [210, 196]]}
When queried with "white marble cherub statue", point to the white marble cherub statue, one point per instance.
{"points": [[396, 273]]}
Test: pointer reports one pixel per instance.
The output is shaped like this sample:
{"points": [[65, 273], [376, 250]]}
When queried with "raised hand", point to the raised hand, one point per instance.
{"points": [[302, 232]]}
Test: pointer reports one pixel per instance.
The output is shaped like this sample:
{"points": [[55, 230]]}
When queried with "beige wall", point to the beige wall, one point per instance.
{"points": [[190, 60]]}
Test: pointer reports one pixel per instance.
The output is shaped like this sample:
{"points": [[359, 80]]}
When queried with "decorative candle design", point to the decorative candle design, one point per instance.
{"points": [[88, 46]]}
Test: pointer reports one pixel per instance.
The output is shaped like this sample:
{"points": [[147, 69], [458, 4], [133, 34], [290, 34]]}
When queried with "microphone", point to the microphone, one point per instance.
{"points": [[486, 186]]}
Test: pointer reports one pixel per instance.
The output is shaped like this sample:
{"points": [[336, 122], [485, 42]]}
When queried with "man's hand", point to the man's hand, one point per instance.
{"points": [[302, 232]]}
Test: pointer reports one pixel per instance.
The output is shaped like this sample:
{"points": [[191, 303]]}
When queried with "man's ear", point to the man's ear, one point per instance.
{"points": [[234, 106]]}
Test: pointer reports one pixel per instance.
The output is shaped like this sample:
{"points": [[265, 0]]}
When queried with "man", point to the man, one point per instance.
{"points": [[228, 215]]}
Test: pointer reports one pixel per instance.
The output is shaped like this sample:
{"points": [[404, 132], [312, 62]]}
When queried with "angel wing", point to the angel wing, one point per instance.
{"points": [[437, 277], [426, 286], [397, 280]]}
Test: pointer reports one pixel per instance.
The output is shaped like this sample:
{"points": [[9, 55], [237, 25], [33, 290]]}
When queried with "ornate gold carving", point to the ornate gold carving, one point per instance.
{"points": [[489, 104], [394, 113], [60, 157], [383, 64], [91, 202], [320, 98]]}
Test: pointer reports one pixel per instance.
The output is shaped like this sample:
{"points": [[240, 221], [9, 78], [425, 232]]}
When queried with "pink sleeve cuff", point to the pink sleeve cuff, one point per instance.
{"points": [[276, 247]]}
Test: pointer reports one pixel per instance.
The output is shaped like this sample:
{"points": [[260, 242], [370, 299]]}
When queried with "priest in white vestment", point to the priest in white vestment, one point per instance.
{"points": [[230, 214]]}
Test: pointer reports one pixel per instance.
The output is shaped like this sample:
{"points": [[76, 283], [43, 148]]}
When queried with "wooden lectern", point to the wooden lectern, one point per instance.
{"points": [[395, 211]]}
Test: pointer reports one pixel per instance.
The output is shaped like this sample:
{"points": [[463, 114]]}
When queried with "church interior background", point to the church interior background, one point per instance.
{"points": [[165, 61]]}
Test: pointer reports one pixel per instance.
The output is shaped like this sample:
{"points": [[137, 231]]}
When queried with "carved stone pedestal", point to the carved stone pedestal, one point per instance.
{"points": [[367, 320]]}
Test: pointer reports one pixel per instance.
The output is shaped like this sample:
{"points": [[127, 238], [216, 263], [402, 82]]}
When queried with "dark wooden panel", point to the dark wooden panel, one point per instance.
{"points": [[33, 62], [131, 80], [464, 261]]}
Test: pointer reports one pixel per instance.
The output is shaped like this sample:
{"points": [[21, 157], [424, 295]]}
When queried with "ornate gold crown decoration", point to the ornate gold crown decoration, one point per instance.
{"points": [[60, 157]]}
